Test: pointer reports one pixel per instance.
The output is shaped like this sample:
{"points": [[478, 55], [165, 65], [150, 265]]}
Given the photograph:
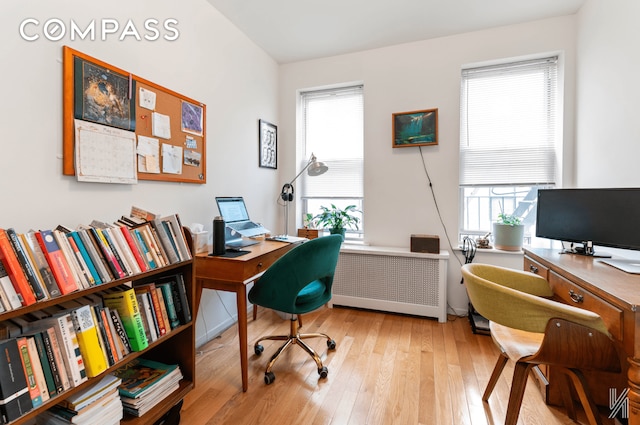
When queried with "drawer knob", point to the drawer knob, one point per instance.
{"points": [[533, 269], [576, 298], [260, 265]]}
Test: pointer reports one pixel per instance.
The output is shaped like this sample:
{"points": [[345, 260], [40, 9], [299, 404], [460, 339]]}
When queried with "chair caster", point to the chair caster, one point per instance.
{"points": [[331, 344], [269, 377], [323, 372], [258, 349]]}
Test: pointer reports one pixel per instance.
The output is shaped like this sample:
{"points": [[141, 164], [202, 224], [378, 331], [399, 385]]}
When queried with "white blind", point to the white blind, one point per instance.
{"points": [[508, 123], [333, 130]]}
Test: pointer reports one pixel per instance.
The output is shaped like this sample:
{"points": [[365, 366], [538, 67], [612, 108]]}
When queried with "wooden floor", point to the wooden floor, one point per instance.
{"points": [[387, 369]]}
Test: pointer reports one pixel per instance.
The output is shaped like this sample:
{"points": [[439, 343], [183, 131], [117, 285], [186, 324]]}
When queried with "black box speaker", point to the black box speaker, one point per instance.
{"points": [[425, 243]]}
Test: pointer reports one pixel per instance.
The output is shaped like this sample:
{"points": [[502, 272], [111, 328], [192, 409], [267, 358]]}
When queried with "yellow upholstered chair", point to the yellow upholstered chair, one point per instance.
{"points": [[531, 329]]}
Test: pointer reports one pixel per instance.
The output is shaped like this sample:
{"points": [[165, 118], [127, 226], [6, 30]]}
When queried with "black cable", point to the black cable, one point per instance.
{"points": [[435, 201]]}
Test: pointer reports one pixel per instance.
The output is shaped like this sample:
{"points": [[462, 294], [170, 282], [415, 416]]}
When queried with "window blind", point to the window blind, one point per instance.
{"points": [[333, 130], [508, 123]]}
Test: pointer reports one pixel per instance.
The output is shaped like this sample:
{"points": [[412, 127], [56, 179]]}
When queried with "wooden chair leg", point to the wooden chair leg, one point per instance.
{"points": [[255, 312], [567, 399], [495, 375], [518, 385], [580, 384]]}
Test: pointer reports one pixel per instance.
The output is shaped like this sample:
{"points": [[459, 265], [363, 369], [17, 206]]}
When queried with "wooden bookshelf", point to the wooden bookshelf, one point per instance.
{"points": [[176, 347]]}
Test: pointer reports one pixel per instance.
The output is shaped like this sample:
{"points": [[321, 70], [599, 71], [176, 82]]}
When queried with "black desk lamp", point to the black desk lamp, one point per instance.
{"points": [[314, 168]]}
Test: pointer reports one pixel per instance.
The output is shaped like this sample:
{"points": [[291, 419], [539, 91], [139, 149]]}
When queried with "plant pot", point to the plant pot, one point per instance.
{"points": [[507, 237], [340, 232]]}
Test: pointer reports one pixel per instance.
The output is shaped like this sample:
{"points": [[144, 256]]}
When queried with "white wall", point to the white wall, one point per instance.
{"points": [[607, 130], [415, 76], [211, 61]]}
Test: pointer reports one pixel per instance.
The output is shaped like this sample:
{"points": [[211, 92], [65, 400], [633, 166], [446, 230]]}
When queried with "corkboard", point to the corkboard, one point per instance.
{"points": [[186, 139]]}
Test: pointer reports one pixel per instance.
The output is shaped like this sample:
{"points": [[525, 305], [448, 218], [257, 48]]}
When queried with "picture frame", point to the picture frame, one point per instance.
{"points": [[415, 128], [103, 95], [268, 144]]}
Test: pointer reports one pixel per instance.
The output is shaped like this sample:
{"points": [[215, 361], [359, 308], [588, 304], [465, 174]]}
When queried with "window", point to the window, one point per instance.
{"points": [[508, 141], [332, 128]]}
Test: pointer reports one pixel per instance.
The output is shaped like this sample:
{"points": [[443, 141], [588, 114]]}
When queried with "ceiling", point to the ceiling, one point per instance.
{"points": [[295, 30]]}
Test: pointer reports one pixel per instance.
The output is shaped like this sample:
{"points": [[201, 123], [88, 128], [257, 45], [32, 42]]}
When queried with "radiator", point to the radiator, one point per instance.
{"points": [[392, 279]]}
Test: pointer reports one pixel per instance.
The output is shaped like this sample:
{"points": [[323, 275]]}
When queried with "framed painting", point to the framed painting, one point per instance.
{"points": [[103, 95], [268, 145], [415, 128]]}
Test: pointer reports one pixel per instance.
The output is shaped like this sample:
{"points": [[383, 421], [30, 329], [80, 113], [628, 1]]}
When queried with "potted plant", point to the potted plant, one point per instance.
{"points": [[508, 233], [337, 220]]}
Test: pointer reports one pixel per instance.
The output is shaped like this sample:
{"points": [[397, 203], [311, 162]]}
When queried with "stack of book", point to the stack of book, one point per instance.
{"points": [[45, 264], [97, 405], [146, 383]]}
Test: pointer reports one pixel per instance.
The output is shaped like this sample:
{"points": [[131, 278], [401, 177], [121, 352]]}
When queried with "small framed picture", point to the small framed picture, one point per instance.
{"points": [[416, 128], [268, 136]]}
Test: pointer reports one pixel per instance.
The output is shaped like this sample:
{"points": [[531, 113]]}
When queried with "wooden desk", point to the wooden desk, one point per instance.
{"points": [[233, 275], [587, 283]]}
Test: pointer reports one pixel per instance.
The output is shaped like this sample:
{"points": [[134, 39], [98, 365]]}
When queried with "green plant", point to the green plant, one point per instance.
{"points": [[508, 219], [337, 218], [308, 221]]}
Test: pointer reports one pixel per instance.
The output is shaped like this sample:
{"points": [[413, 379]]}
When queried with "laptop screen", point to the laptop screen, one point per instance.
{"points": [[232, 209]]}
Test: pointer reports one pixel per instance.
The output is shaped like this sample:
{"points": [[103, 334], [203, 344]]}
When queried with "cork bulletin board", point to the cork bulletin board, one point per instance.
{"points": [[120, 128]]}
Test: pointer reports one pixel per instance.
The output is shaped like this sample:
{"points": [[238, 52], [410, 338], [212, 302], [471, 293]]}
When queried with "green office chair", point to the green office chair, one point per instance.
{"points": [[298, 282]]}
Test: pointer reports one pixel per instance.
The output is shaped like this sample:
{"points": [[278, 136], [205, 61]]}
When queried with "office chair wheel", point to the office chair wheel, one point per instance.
{"points": [[331, 344], [323, 372], [269, 377], [258, 349]]}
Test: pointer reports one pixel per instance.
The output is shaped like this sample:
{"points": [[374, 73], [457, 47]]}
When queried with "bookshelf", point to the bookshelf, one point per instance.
{"points": [[177, 346]]}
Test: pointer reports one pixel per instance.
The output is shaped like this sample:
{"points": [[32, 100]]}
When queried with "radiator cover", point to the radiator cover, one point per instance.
{"points": [[392, 279]]}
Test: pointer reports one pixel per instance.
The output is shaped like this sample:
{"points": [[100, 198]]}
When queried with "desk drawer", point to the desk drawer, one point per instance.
{"points": [[577, 296], [531, 265]]}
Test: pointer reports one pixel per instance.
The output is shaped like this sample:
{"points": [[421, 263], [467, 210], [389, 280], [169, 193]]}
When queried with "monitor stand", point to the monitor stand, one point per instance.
{"points": [[586, 249]]}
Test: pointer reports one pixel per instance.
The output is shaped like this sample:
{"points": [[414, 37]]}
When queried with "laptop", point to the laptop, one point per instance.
{"points": [[234, 212], [626, 265]]}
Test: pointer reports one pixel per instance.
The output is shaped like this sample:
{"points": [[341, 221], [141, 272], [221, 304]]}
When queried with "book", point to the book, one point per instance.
{"points": [[166, 241], [77, 270], [14, 271], [144, 248], [147, 235], [58, 263], [45, 363], [167, 294], [38, 371], [69, 347], [135, 249], [161, 325], [11, 296], [27, 367], [78, 245], [138, 213], [141, 375], [163, 310], [180, 297], [84, 398], [111, 257], [148, 320], [124, 249], [127, 306], [87, 333], [34, 279], [40, 262], [175, 226], [119, 328], [113, 339], [96, 255], [15, 400], [54, 353]]}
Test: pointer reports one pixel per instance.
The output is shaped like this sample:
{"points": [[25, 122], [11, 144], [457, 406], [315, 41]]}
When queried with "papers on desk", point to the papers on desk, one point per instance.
{"points": [[287, 238]]}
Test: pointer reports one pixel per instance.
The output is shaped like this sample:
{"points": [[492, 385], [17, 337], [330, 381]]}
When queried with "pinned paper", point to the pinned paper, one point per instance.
{"points": [[171, 159], [161, 125]]}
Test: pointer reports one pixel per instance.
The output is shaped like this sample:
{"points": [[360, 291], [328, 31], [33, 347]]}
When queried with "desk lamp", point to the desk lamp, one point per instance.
{"points": [[314, 168]]}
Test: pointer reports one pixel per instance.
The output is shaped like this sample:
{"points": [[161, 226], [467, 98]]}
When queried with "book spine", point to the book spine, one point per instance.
{"points": [[125, 249], [34, 281], [32, 383], [95, 256], [117, 253], [147, 234], [135, 250], [57, 262], [182, 239], [46, 364], [162, 326], [83, 267], [173, 238], [17, 401], [145, 249], [119, 328], [127, 305], [54, 355], [170, 306], [43, 266], [93, 271], [109, 254], [165, 242], [87, 334], [146, 313], [14, 271], [70, 349], [36, 364], [72, 261], [112, 339], [107, 272], [12, 299]]}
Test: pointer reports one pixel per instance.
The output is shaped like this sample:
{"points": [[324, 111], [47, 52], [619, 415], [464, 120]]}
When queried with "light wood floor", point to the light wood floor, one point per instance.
{"points": [[387, 369]]}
